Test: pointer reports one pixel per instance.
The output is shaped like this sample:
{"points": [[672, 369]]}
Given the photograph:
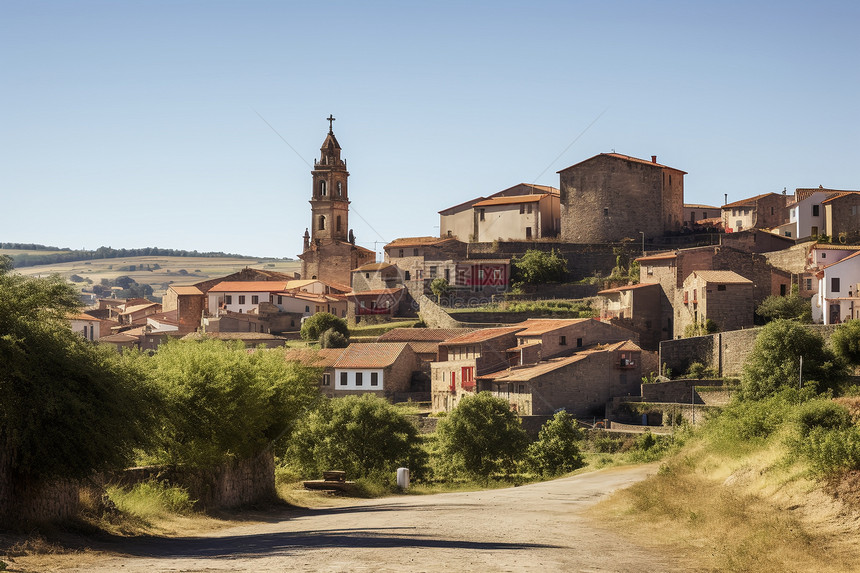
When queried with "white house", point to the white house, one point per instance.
{"points": [[837, 299], [807, 213], [86, 325], [242, 296]]}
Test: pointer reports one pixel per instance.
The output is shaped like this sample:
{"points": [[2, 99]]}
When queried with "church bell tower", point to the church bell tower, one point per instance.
{"points": [[329, 199]]}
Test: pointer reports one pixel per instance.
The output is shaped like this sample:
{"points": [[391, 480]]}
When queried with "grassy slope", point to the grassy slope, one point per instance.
{"points": [[752, 510], [197, 269]]}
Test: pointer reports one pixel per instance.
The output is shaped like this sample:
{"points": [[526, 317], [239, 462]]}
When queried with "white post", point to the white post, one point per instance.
{"points": [[403, 478]]}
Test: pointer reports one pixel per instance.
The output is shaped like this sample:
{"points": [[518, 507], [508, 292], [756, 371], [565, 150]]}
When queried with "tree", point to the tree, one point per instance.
{"points": [[440, 287], [556, 450], [539, 267], [774, 362], [845, 342], [481, 436], [313, 327], [223, 401], [364, 436], [68, 407], [331, 338], [786, 307], [7, 263]]}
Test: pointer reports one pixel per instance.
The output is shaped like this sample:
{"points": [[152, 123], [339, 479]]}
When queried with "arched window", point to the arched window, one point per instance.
{"points": [[339, 189], [322, 188], [322, 222], [337, 224]]}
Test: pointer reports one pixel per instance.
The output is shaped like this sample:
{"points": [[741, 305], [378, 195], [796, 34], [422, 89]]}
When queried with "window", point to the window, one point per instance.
{"points": [[280, 299], [782, 290], [414, 252], [528, 232], [522, 389], [814, 231], [401, 253], [815, 210], [255, 299], [322, 222], [406, 275], [228, 299], [808, 284], [339, 189], [771, 210], [522, 208], [322, 188], [579, 343], [721, 287], [606, 211], [337, 223], [834, 284], [241, 299], [824, 256], [529, 209], [358, 379], [432, 272], [326, 379], [367, 275], [447, 274], [704, 214], [343, 377], [374, 378], [562, 341], [481, 214], [307, 308], [649, 270]]}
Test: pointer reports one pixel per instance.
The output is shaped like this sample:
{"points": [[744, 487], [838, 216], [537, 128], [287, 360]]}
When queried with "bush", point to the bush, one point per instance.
{"points": [[845, 342], [223, 401], [331, 338], [699, 371], [539, 267], [774, 362], [556, 450], [364, 436], [315, 326], [832, 451], [481, 436], [825, 414], [791, 307], [151, 499]]}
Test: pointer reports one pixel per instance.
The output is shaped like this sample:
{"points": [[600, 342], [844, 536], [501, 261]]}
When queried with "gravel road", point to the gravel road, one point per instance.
{"points": [[539, 527]]}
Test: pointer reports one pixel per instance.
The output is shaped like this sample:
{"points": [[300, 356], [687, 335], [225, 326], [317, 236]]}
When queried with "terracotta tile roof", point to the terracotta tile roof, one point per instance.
{"points": [[170, 317], [185, 289], [249, 336], [82, 316], [317, 358], [424, 347], [422, 334], [118, 338], [511, 200], [698, 206], [299, 283], [659, 257], [625, 158], [628, 287], [418, 242], [748, 202], [139, 307], [482, 335], [538, 326], [832, 247], [249, 286], [372, 355], [726, 277], [840, 195], [338, 286]]}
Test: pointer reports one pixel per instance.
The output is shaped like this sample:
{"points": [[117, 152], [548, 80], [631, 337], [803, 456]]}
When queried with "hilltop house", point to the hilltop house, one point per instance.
{"points": [[724, 297], [838, 297], [764, 211]]}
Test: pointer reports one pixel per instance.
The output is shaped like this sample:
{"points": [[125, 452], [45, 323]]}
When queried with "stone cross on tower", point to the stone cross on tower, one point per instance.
{"points": [[330, 119]]}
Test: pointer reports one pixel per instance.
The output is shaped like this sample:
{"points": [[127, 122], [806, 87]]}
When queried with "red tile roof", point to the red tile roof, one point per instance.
{"points": [[418, 242], [422, 334], [840, 195], [538, 326], [748, 202], [725, 277], [372, 267], [372, 355], [625, 158], [461, 206], [659, 257], [322, 358], [482, 335], [185, 289], [511, 200], [249, 286]]}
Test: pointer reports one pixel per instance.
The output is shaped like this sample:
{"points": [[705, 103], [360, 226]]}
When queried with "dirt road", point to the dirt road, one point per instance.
{"points": [[537, 527]]}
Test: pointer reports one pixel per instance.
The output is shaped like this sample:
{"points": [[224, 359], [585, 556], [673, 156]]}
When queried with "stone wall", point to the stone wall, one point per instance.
{"points": [[725, 352], [680, 391], [434, 316]]}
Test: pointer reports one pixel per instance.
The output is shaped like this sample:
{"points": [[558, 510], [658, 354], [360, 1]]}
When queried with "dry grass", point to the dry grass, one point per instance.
{"points": [[758, 513]]}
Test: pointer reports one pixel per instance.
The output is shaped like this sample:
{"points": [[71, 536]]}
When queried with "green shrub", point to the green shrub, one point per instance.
{"points": [[331, 338], [832, 451], [315, 326], [824, 414], [556, 450]]}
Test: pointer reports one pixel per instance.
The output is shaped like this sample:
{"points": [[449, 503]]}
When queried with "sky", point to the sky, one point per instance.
{"points": [[194, 124]]}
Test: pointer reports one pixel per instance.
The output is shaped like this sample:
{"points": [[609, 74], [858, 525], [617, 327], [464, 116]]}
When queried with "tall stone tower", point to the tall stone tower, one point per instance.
{"points": [[330, 252], [330, 199]]}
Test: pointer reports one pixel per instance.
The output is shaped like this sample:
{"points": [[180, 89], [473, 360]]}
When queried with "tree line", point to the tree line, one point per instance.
{"points": [[66, 255]]}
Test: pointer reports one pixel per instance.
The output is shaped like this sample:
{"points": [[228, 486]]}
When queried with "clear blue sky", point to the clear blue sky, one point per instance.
{"points": [[132, 124]]}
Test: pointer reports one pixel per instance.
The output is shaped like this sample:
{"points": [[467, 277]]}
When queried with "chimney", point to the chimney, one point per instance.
{"points": [[653, 159]]}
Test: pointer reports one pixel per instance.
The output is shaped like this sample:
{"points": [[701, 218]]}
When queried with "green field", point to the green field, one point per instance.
{"points": [[178, 270]]}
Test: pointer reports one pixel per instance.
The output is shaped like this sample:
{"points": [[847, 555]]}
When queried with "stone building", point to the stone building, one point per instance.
{"points": [[611, 197], [842, 216], [330, 252], [724, 297], [765, 211], [636, 307]]}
